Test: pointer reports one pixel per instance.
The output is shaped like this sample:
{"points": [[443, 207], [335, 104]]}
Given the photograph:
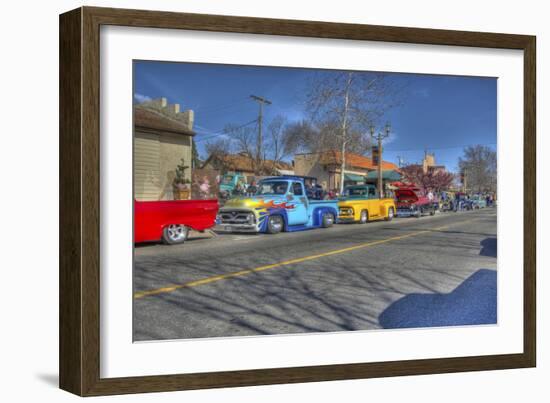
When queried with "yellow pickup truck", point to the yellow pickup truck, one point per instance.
{"points": [[360, 203]]}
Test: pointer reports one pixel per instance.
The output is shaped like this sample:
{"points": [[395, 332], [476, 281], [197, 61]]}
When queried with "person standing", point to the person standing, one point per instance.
{"points": [[430, 196], [252, 189]]}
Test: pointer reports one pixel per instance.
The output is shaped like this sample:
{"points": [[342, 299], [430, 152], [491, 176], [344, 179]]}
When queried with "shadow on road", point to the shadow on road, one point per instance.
{"points": [[489, 247], [474, 302]]}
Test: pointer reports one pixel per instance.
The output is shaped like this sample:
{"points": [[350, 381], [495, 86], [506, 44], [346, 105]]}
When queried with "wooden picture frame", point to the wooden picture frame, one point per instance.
{"points": [[79, 200]]}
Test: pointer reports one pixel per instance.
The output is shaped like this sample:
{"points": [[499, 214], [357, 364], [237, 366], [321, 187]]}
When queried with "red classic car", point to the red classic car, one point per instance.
{"points": [[411, 201], [171, 220]]}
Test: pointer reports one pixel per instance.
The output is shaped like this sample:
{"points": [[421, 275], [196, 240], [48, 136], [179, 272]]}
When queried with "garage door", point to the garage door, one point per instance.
{"points": [[146, 166]]}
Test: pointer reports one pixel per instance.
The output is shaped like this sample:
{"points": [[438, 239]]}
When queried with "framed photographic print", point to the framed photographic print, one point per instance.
{"points": [[250, 201]]}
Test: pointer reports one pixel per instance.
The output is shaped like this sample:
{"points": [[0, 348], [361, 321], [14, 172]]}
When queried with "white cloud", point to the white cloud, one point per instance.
{"points": [[141, 98]]}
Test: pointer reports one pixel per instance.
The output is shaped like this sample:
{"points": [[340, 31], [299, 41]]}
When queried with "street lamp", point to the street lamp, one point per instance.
{"points": [[379, 137]]}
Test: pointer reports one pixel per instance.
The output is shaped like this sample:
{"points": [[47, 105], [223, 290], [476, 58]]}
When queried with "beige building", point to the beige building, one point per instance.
{"points": [[428, 164], [163, 135], [326, 167]]}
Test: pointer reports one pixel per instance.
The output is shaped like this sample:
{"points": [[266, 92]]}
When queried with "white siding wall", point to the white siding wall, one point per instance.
{"points": [[146, 166]]}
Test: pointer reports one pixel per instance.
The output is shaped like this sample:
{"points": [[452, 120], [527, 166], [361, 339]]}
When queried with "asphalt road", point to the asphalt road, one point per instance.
{"points": [[432, 271]]}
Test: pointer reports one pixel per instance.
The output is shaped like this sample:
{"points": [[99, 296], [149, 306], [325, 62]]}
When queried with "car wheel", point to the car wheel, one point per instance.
{"points": [[364, 218], [328, 220], [275, 224], [432, 211], [390, 215], [174, 234], [418, 213]]}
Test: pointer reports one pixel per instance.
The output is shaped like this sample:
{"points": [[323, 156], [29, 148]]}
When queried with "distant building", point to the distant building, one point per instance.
{"points": [[162, 137], [326, 167], [428, 164], [245, 165]]}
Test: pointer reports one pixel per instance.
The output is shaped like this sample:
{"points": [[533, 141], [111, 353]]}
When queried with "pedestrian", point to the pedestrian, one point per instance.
{"points": [[205, 188], [252, 189], [430, 195], [458, 202]]}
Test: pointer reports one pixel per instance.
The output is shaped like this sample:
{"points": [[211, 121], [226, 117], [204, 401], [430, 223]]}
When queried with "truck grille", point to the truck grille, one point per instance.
{"points": [[235, 217], [346, 211]]}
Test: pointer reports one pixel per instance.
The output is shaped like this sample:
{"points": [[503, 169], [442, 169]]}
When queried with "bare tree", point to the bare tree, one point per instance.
{"points": [[305, 137], [479, 167], [219, 149], [244, 138], [301, 136], [275, 146], [343, 105]]}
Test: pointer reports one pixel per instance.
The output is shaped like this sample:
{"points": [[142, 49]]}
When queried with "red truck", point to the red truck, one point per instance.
{"points": [[411, 201], [171, 220]]}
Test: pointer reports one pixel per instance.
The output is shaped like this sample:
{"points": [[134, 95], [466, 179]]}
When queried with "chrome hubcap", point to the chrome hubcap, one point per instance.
{"points": [[364, 216], [329, 219], [177, 232], [390, 213], [276, 223]]}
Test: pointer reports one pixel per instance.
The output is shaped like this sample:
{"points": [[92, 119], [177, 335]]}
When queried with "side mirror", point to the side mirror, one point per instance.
{"points": [[289, 197]]}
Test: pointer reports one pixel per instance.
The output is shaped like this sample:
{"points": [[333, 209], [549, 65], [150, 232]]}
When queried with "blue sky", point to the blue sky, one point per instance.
{"points": [[440, 114]]}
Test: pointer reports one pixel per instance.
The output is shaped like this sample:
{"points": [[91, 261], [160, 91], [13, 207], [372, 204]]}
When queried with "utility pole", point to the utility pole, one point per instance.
{"points": [[261, 101], [379, 137], [344, 129]]}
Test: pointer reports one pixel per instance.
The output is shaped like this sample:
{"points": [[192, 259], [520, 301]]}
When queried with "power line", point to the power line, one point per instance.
{"points": [[223, 131], [395, 150], [440, 148]]}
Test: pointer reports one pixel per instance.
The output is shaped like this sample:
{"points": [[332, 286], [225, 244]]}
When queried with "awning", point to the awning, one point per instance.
{"points": [[354, 177], [386, 176]]}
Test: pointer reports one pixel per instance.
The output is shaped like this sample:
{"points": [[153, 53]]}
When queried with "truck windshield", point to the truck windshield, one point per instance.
{"points": [[272, 188], [227, 179], [355, 192]]}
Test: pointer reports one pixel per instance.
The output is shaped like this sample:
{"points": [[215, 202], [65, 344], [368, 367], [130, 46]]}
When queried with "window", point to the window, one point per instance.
{"points": [[272, 188], [297, 189], [372, 193]]}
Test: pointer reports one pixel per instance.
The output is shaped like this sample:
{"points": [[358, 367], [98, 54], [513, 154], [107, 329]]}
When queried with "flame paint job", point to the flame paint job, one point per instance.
{"points": [[258, 203], [298, 214]]}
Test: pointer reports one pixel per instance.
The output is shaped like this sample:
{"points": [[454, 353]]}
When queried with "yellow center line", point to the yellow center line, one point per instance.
{"points": [[208, 280]]}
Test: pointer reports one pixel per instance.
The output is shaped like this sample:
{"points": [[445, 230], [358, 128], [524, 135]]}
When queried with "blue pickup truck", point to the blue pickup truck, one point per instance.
{"points": [[280, 204]]}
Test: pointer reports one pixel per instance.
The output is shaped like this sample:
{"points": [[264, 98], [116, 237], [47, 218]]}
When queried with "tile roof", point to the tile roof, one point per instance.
{"points": [[243, 163], [354, 161]]}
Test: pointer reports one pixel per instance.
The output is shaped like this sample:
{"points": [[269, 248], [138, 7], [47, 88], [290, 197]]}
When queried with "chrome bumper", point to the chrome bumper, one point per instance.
{"points": [[406, 213], [345, 219], [236, 228]]}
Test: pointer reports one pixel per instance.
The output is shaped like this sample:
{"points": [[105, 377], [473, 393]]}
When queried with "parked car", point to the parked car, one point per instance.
{"points": [[280, 204], [412, 202], [361, 203], [478, 201], [171, 220], [463, 202]]}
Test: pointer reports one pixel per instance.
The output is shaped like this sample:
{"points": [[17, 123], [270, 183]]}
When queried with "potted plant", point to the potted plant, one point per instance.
{"points": [[181, 184]]}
